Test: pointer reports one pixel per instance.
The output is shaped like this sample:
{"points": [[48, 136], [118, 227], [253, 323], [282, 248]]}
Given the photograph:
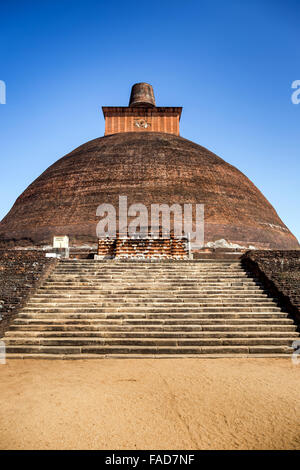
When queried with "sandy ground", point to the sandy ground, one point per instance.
{"points": [[150, 404]]}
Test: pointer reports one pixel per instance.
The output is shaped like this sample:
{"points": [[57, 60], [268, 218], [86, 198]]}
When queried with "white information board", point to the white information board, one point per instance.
{"points": [[61, 242]]}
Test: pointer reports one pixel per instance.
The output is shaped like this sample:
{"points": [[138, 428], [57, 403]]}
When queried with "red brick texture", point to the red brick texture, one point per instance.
{"points": [[141, 120], [169, 248], [21, 272], [279, 272], [148, 168]]}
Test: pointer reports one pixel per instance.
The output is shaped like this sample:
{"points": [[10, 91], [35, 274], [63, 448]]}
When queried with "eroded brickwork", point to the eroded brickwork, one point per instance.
{"points": [[21, 272], [279, 271], [141, 120], [122, 248], [148, 168]]}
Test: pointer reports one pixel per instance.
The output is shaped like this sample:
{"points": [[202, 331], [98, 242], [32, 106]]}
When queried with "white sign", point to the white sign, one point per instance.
{"points": [[61, 242]]}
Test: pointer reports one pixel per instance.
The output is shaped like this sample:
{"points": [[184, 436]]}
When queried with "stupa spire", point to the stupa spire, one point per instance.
{"points": [[142, 114], [142, 94]]}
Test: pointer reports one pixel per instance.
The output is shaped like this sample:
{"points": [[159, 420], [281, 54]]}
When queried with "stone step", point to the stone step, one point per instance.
{"points": [[148, 263], [113, 350], [182, 300], [155, 284], [140, 266], [23, 335], [134, 291], [151, 286], [154, 274], [147, 277], [151, 309], [109, 302], [157, 270], [188, 280], [65, 297], [183, 307], [141, 263], [145, 272], [38, 327], [159, 322], [154, 270], [204, 355], [160, 315], [142, 274], [159, 342], [155, 267]]}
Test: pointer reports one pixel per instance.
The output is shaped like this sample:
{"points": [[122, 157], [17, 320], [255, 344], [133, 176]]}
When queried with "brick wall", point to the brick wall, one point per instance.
{"points": [[141, 120], [279, 271], [21, 272], [149, 248]]}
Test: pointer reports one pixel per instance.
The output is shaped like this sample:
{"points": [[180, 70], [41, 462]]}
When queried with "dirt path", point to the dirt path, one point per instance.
{"points": [[150, 404]]}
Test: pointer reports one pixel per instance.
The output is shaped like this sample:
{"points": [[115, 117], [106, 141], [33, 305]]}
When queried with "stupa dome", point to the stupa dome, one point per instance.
{"points": [[147, 167]]}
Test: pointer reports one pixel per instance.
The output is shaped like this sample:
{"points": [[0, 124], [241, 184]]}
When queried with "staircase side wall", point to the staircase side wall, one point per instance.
{"points": [[21, 273], [279, 271]]}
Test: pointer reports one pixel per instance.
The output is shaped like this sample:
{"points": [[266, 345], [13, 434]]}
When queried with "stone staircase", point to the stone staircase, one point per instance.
{"points": [[91, 309]]}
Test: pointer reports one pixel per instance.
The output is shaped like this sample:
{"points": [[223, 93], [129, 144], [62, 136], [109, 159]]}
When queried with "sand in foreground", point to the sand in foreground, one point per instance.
{"points": [[150, 404]]}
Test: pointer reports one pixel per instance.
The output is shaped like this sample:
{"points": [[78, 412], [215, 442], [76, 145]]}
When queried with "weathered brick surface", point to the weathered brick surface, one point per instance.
{"points": [[141, 120], [142, 115], [148, 168], [21, 272], [280, 273], [169, 248]]}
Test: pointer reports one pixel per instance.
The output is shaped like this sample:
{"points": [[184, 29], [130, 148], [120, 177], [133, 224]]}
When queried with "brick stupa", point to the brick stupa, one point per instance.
{"points": [[143, 157]]}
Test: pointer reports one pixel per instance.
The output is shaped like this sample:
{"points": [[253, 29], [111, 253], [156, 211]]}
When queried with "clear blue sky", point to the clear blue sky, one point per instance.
{"points": [[230, 64]]}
